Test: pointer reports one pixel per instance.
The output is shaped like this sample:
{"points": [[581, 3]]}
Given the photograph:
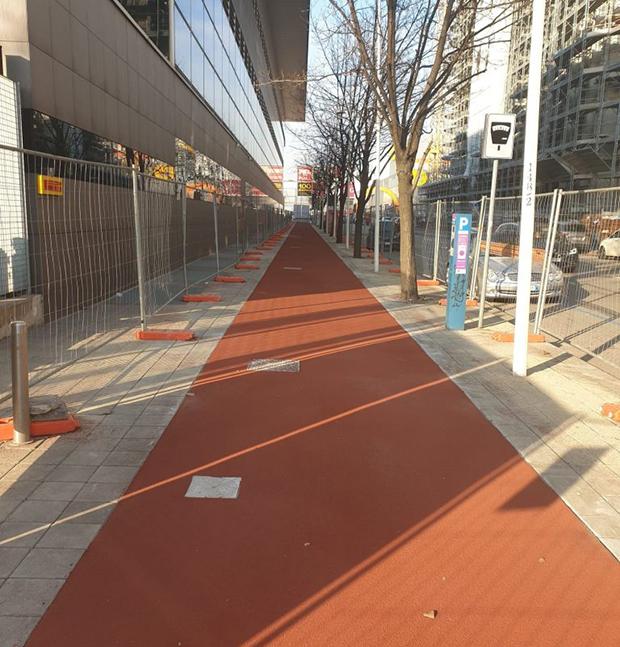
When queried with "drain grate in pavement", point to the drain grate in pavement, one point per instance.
{"points": [[274, 365], [213, 487]]}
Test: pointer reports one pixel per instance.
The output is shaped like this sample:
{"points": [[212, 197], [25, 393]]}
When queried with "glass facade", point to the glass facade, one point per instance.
{"points": [[153, 17], [206, 52]]}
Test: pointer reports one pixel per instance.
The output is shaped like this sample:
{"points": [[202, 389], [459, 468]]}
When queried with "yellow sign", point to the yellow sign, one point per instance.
{"points": [[50, 185], [423, 177]]}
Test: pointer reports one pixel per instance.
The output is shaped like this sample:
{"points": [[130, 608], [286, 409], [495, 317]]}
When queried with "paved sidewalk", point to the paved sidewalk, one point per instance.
{"points": [[350, 494], [56, 493], [552, 418]]}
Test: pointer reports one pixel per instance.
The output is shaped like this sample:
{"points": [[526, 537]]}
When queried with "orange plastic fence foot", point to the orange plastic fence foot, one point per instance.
{"points": [[611, 410], [201, 298], [394, 270], [229, 279], [250, 257], [165, 335], [385, 261], [41, 427], [427, 282], [470, 303], [508, 337], [245, 266]]}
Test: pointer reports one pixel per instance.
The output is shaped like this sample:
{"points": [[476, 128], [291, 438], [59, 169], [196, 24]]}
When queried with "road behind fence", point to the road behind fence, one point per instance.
{"points": [[80, 232]]}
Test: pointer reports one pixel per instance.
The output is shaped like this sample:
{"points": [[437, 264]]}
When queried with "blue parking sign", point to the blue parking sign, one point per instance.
{"points": [[457, 275]]}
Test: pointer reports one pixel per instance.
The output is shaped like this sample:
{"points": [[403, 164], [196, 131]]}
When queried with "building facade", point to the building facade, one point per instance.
{"points": [[195, 88], [579, 122]]}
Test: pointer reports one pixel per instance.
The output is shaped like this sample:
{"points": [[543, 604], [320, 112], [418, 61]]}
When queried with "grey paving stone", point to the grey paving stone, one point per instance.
{"points": [[10, 559], [85, 457], [101, 492], [213, 487], [114, 474], [56, 491], [27, 597], [18, 534], [7, 506], [136, 445], [145, 432], [72, 473], [29, 472], [126, 458], [17, 490], [14, 630], [38, 511], [69, 535], [48, 563], [94, 512]]}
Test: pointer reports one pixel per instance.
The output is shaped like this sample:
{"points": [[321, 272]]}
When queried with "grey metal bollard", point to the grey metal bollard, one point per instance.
{"points": [[19, 376]]}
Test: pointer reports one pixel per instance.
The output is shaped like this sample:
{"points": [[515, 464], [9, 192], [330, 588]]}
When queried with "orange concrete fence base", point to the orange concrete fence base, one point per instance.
{"points": [[470, 303], [508, 337], [41, 427], [246, 266], [611, 410], [201, 298], [229, 279], [165, 335]]}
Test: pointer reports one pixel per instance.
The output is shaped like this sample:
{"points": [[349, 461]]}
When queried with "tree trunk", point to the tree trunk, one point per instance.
{"points": [[408, 282], [359, 230]]}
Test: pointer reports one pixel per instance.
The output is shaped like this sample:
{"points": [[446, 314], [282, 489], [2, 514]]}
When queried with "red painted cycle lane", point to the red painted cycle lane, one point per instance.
{"points": [[372, 491]]}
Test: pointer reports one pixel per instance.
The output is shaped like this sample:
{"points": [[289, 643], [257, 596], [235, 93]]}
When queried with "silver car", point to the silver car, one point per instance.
{"points": [[502, 278]]}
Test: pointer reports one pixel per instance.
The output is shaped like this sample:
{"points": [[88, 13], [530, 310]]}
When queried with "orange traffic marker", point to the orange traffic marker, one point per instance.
{"points": [[165, 335], [201, 298], [229, 279], [41, 427]]}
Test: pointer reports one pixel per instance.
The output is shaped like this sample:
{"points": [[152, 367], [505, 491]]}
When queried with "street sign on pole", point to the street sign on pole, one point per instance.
{"points": [[499, 137], [528, 195], [457, 276]]}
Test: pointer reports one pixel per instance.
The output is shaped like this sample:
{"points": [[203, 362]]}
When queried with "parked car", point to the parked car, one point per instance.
{"points": [[576, 234], [565, 255], [610, 246], [502, 278]]}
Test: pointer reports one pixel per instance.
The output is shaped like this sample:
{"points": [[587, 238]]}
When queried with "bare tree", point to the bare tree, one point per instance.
{"points": [[422, 44]]}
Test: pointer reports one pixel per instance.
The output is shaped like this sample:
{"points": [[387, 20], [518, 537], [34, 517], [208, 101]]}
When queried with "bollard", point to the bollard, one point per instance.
{"points": [[19, 376]]}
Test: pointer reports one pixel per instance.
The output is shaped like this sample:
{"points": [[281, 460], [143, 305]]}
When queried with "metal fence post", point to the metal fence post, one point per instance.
{"points": [[184, 225], [237, 229], [257, 228], [217, 237], [544, 279], [438, 211], [139, 252], [19, 377], [476, 258]]}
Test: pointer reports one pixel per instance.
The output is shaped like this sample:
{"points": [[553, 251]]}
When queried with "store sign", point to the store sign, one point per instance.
{"points": [[50, 185], [305, 181], [499, 137], [276, 175]]}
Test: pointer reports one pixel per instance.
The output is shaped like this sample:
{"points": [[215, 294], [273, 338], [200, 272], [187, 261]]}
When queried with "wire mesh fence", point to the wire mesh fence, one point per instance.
{"points": [[88, 251], [575, 280]]}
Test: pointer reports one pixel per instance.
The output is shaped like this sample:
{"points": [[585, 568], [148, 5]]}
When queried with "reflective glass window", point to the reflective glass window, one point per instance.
{"points": [[182, 45]]}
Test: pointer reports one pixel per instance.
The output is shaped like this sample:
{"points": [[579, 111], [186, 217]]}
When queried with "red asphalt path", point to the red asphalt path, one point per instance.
{"points": [[372, 491]]}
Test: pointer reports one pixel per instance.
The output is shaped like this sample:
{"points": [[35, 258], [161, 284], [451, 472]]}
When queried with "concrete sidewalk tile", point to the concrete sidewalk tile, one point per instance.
{"points": [[48, 563], [14, 630], [27, 597], [85, 457], [114, 474], [28, 472], [72, 473], [604, 525], [38, 511], [69, 535], [145, 432], [10, 557], [135, 445], [126, 458], [17, 490], [56, 491], [7, 506], [613, 545], [89, 512], [101, 492], [19, 534]]}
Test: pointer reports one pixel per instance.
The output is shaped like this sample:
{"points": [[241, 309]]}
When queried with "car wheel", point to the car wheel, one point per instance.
{"points": [[601, 252]]}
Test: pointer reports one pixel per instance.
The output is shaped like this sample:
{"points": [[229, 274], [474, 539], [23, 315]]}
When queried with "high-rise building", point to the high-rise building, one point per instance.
{"points": [[206, 82], [579, 122]]}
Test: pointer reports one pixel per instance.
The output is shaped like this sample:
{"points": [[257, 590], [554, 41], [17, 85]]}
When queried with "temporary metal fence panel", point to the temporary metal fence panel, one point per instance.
{"points": [[90, 227]]}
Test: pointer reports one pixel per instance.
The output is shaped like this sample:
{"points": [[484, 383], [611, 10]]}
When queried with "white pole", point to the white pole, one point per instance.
{"points": [[487, 246], [348, 224], [378, 143], [528, 197], [335, 219]]}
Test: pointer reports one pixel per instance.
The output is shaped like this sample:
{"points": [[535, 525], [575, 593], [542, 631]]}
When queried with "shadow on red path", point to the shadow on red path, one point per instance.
{"points": [[372, 491]]}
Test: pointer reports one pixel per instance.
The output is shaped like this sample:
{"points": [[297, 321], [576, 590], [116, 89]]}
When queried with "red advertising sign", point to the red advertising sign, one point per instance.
{"points": [[351, 191], [276, 175], [305, 180]]}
